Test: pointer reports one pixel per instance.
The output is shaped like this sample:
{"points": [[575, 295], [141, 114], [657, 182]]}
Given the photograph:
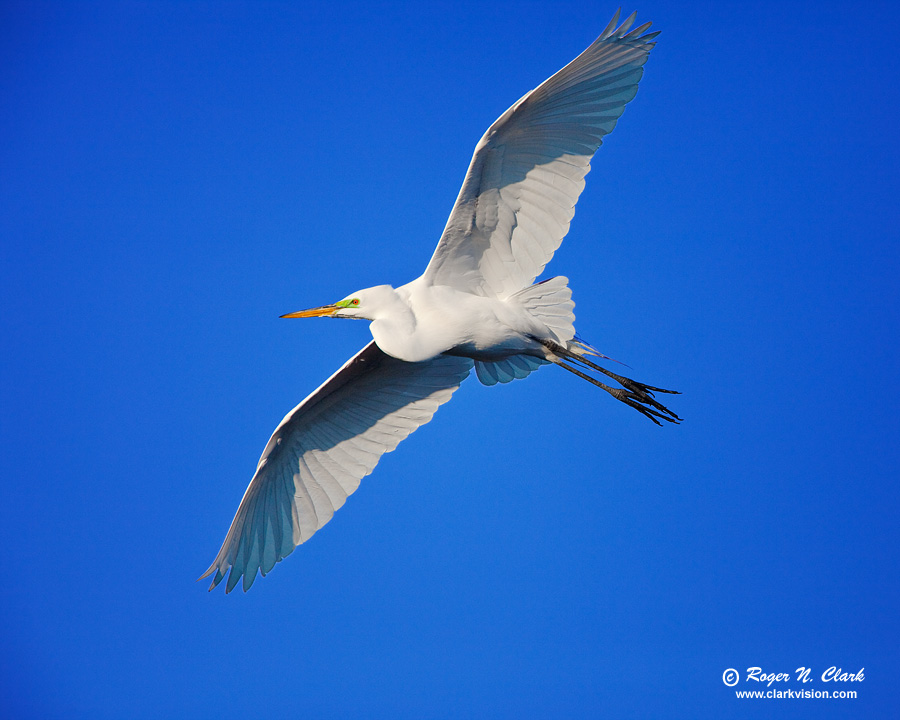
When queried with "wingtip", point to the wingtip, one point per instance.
{"points": [[607, 31], [215, 581], [624, 27], [624, 31], [637, 33]]}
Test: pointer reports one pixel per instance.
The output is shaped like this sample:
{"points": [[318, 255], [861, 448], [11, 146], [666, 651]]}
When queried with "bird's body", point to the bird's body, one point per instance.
{"points": [[418, 321], [475, 306]]}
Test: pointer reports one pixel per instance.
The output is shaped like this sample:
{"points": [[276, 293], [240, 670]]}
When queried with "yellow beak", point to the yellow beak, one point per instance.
{"points": [[314, 312]]}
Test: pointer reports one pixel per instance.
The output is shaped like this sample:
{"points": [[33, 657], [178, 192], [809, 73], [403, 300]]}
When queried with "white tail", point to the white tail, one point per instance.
{"points": [[550, 302]]}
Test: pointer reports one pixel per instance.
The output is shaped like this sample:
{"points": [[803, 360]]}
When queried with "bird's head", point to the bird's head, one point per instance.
{"points": [[361, 305]]}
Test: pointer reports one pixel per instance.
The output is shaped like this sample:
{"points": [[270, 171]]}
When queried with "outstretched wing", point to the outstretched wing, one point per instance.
{"points": [[528, 170], [323, 448]]}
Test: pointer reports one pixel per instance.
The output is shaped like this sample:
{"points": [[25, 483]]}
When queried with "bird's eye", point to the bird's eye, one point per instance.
{"points": [[355, 301]]}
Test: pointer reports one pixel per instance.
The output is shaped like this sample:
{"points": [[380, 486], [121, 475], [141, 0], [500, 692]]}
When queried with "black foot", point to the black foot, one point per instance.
{"points": [[640, 397], [633, 393]]}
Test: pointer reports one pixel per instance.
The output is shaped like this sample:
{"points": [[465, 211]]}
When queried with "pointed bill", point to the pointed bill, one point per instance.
{"points": [[314, 312]]}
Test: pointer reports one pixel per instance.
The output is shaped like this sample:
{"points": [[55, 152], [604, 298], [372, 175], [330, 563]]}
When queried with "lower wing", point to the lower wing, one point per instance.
{"points": [[319, 453]]}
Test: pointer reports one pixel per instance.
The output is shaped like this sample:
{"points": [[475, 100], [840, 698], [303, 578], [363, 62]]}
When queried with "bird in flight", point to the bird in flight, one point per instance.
{"points": [[476, 305]]}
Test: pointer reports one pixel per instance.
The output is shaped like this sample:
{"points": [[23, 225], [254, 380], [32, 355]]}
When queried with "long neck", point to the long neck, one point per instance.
{"points": [[394, 328]]}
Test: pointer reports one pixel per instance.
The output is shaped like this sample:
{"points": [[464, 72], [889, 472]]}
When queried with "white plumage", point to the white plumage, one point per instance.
{"points": [[474, 305], [528, 169], [324, 447]]}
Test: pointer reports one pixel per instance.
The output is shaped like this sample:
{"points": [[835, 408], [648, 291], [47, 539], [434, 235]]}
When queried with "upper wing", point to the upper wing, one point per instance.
{"points": [[323, 448], [528, 170]]}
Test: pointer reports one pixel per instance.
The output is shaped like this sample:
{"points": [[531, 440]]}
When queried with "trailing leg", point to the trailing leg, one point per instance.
{"points": [[633, 393]]}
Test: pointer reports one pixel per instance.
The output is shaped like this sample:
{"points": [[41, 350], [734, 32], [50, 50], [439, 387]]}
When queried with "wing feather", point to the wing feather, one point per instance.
{"points": [[527, 173], [319, 453]]}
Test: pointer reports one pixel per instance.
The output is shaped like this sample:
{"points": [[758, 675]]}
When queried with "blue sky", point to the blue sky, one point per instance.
{"points": [[175, 176]]}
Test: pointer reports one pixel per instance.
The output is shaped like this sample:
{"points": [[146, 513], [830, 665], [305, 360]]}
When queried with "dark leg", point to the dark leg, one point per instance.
{"points": [[632, 392]]}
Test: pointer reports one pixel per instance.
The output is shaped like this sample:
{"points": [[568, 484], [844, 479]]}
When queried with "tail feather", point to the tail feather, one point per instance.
{"points": [[550, 301]]}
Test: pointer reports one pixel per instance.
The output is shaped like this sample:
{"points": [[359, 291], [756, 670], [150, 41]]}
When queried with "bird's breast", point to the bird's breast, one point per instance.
{"points": [[444, 320]]}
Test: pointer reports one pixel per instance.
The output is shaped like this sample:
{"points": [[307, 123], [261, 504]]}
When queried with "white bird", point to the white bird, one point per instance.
{"points": [[475, 305]]}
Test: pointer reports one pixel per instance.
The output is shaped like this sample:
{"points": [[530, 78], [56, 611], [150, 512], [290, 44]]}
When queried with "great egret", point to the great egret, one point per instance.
{"points": [[475, 305]]}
